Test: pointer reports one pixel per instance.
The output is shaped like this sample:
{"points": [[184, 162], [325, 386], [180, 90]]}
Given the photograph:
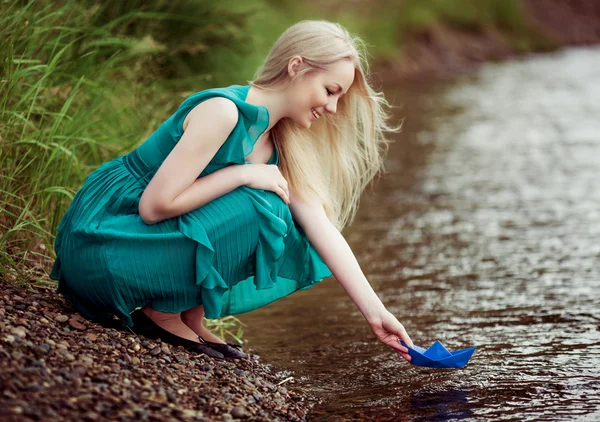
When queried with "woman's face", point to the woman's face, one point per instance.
{"points": [[317, 93]]}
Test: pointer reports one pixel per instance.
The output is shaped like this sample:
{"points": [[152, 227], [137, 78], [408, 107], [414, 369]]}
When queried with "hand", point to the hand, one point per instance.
{"points": [[388, 330], [266, 177]]}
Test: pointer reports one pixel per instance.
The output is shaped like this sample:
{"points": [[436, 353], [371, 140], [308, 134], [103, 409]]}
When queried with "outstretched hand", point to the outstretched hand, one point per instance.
{"points": [[388, 330]]}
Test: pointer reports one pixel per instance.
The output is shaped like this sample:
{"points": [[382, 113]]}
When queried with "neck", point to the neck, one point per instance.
{"points": [[272, 100]]}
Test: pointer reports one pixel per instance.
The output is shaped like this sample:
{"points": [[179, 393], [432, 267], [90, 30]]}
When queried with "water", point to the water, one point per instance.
{"points": [[485, 232]]}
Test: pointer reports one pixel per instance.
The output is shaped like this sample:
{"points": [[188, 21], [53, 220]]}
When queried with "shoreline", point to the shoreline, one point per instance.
{"points": [[58, 366], [443, 51]]}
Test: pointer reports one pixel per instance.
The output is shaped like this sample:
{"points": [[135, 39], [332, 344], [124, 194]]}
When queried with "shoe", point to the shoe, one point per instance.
{"points": [[229, 350], [144, 325]]}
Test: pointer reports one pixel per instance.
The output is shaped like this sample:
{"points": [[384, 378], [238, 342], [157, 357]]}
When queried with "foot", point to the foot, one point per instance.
{"points": [[171, 332], [200, 330], [171, 323]]}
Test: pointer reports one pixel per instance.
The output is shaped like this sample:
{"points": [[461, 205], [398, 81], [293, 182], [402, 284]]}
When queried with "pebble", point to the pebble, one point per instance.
{"points": [[188, 413], [65, 354], [77, 325], [19, 331], [86, 359], [57, 371], [61, 318], [238, 412]]}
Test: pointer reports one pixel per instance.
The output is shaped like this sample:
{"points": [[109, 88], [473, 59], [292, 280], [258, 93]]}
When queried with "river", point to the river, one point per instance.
{"points": [[484, 232]]}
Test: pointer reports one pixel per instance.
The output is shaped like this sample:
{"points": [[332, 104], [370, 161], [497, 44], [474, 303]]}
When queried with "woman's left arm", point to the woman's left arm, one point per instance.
{"points": [[338, 256]]}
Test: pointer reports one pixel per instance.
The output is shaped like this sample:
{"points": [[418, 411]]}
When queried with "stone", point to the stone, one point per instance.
{"points": [[61, 318], [65, 354], [77, 325], [238, 412], [19, 331], [86, 359]]}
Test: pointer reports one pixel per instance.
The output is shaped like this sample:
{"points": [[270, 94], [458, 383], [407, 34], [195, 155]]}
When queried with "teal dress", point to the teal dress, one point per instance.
{"points": [[237, 253]]}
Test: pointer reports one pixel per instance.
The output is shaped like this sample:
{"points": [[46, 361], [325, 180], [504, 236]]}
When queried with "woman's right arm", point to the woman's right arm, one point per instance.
{"points": [[175, 188]]}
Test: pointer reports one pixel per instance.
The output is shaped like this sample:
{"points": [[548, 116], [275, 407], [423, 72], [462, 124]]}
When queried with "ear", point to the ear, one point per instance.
{"points": [[294, 65]]}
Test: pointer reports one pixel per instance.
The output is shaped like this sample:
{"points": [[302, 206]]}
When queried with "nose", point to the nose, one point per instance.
{"points": [[331, 106]]}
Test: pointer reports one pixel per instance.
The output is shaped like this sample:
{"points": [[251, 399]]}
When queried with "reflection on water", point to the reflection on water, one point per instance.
{"points": [[485, 232]]}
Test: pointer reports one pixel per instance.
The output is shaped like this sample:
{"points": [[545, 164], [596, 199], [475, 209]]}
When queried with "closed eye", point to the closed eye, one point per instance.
{"points": [[329, 92]]}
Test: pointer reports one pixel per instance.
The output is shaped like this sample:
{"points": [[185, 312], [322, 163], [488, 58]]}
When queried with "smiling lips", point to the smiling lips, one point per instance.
{"points": [[314, 112]]}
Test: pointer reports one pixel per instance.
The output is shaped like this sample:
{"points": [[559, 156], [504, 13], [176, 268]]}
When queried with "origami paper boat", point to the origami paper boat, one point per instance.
{"points": [[437, 356]]}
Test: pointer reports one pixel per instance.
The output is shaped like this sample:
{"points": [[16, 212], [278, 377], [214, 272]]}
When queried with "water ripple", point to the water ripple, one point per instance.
{"points": [[485, 232]]}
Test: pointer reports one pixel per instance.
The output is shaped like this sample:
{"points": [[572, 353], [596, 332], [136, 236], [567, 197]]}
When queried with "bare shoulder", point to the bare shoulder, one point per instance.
{"points": [[219, 112]]}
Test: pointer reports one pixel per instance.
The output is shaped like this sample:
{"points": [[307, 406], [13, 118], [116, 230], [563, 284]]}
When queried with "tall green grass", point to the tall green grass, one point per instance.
{"points": [[80, 83]]}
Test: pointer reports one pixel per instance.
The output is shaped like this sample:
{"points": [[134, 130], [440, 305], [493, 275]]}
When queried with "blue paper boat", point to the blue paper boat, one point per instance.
{"points": [[437, 356]]}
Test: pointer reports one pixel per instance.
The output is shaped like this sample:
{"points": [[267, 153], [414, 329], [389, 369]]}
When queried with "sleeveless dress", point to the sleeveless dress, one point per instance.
{"points": [[237, 253]]}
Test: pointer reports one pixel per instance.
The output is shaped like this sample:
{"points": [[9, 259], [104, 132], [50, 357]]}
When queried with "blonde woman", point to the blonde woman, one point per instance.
{"points": [[235, 201]]}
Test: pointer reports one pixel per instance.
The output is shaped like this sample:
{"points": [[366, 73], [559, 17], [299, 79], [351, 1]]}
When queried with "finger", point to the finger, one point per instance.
{"points": [[287, 192], [405, 356], [404, 336], [284, 184], [399, 347], [279, 191]]}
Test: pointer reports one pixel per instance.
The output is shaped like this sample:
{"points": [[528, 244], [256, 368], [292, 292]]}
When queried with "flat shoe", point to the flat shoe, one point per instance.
{"points": [[229, 350], [144, 325]]}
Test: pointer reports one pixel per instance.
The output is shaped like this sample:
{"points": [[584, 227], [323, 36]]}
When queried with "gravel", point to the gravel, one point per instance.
{"points": [[56, 365]]}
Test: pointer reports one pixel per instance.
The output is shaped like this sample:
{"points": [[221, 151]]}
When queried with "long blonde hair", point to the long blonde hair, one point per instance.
{"points": [[339, 155]]}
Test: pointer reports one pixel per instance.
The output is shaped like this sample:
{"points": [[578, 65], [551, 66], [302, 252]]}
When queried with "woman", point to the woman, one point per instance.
{"points": [[235, 201]]}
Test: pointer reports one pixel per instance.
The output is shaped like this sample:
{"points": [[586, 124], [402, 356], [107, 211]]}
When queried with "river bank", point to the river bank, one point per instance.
{"points": [[55, 365], [443, 50]]}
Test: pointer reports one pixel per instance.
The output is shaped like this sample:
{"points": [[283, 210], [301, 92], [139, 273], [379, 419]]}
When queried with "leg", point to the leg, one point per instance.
{"points": [[170, 322], [193, 319]]}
